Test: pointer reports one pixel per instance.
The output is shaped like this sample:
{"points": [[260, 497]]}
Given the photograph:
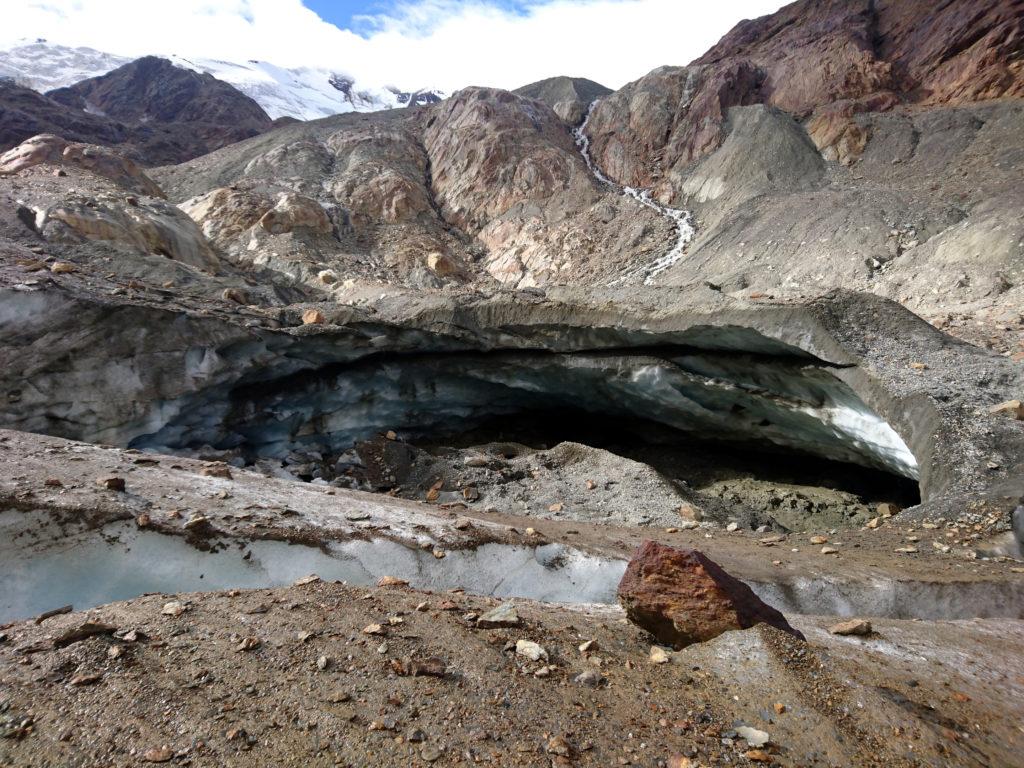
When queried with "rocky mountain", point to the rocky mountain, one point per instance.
{"points": [[304, 93], [569, 97], [157, 111]]}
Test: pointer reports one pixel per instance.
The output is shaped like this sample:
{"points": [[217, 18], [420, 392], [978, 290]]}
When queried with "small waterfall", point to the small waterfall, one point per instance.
{"points": [[681, 218]]}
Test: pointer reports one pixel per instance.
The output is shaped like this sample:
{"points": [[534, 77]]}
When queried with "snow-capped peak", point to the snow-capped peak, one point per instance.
{"points": [[305, 93]]}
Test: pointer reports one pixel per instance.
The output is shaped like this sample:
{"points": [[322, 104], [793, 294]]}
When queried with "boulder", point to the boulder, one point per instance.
{"points": [[682, 597], [296, 212]]}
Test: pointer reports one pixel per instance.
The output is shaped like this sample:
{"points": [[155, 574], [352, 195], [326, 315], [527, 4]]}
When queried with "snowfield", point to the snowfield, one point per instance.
{"points": [[304, 93]]}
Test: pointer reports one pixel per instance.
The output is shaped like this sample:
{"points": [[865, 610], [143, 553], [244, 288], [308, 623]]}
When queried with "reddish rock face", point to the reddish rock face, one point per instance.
{"points": [[681, 597], [826, 60]]}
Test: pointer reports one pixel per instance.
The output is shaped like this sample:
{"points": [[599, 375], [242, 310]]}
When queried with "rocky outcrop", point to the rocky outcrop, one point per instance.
{"points": [[25, 113], [821, 59], [294, 212], [53, 150], [682, 597], [150, 226], [151, 110], [667, 119], [206, 113]]}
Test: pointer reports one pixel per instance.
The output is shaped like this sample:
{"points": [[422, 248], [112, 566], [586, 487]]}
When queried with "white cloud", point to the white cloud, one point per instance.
{"points": [[440, 43]]}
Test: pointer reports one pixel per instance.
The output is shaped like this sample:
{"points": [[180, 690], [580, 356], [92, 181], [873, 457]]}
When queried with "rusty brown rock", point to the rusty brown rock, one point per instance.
{"points": [[313, 317], [682, 597]]}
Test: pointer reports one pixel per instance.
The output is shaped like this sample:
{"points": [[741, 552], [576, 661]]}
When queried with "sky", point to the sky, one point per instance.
{"points": [[446, 44]]}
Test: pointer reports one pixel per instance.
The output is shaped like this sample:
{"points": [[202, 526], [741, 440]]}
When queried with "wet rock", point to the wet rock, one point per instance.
{"points": [[851, 627], [682, 597], [392, 581], [505, 615]]}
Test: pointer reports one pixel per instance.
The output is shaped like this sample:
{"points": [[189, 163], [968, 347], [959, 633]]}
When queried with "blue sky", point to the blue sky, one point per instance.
{"points": [[345, 14]]}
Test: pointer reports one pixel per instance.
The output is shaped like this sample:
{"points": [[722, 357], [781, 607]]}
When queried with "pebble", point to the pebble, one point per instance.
{"points": [[111, 483], [173, 608], [658, 655], [158, 755], [248, 644], [530, 650], [829, 551], [851, 627], [505, 615], [752, 736], [313, 317], [430, 754], [558, 745], [732, 527], [819, 540], [591, 678]]}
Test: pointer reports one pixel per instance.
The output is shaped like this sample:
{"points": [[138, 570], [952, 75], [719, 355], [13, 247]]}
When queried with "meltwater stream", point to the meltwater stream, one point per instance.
{"points": [[46, 566], [681, 218]]}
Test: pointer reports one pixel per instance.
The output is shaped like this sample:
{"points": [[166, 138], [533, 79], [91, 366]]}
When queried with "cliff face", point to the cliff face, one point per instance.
{"points": [[819, 60]]}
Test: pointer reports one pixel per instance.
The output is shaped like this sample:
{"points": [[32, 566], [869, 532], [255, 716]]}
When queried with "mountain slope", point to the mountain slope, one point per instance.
{"points": [[158, 112], [155, 91], [569, 97], [305, 93]]}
